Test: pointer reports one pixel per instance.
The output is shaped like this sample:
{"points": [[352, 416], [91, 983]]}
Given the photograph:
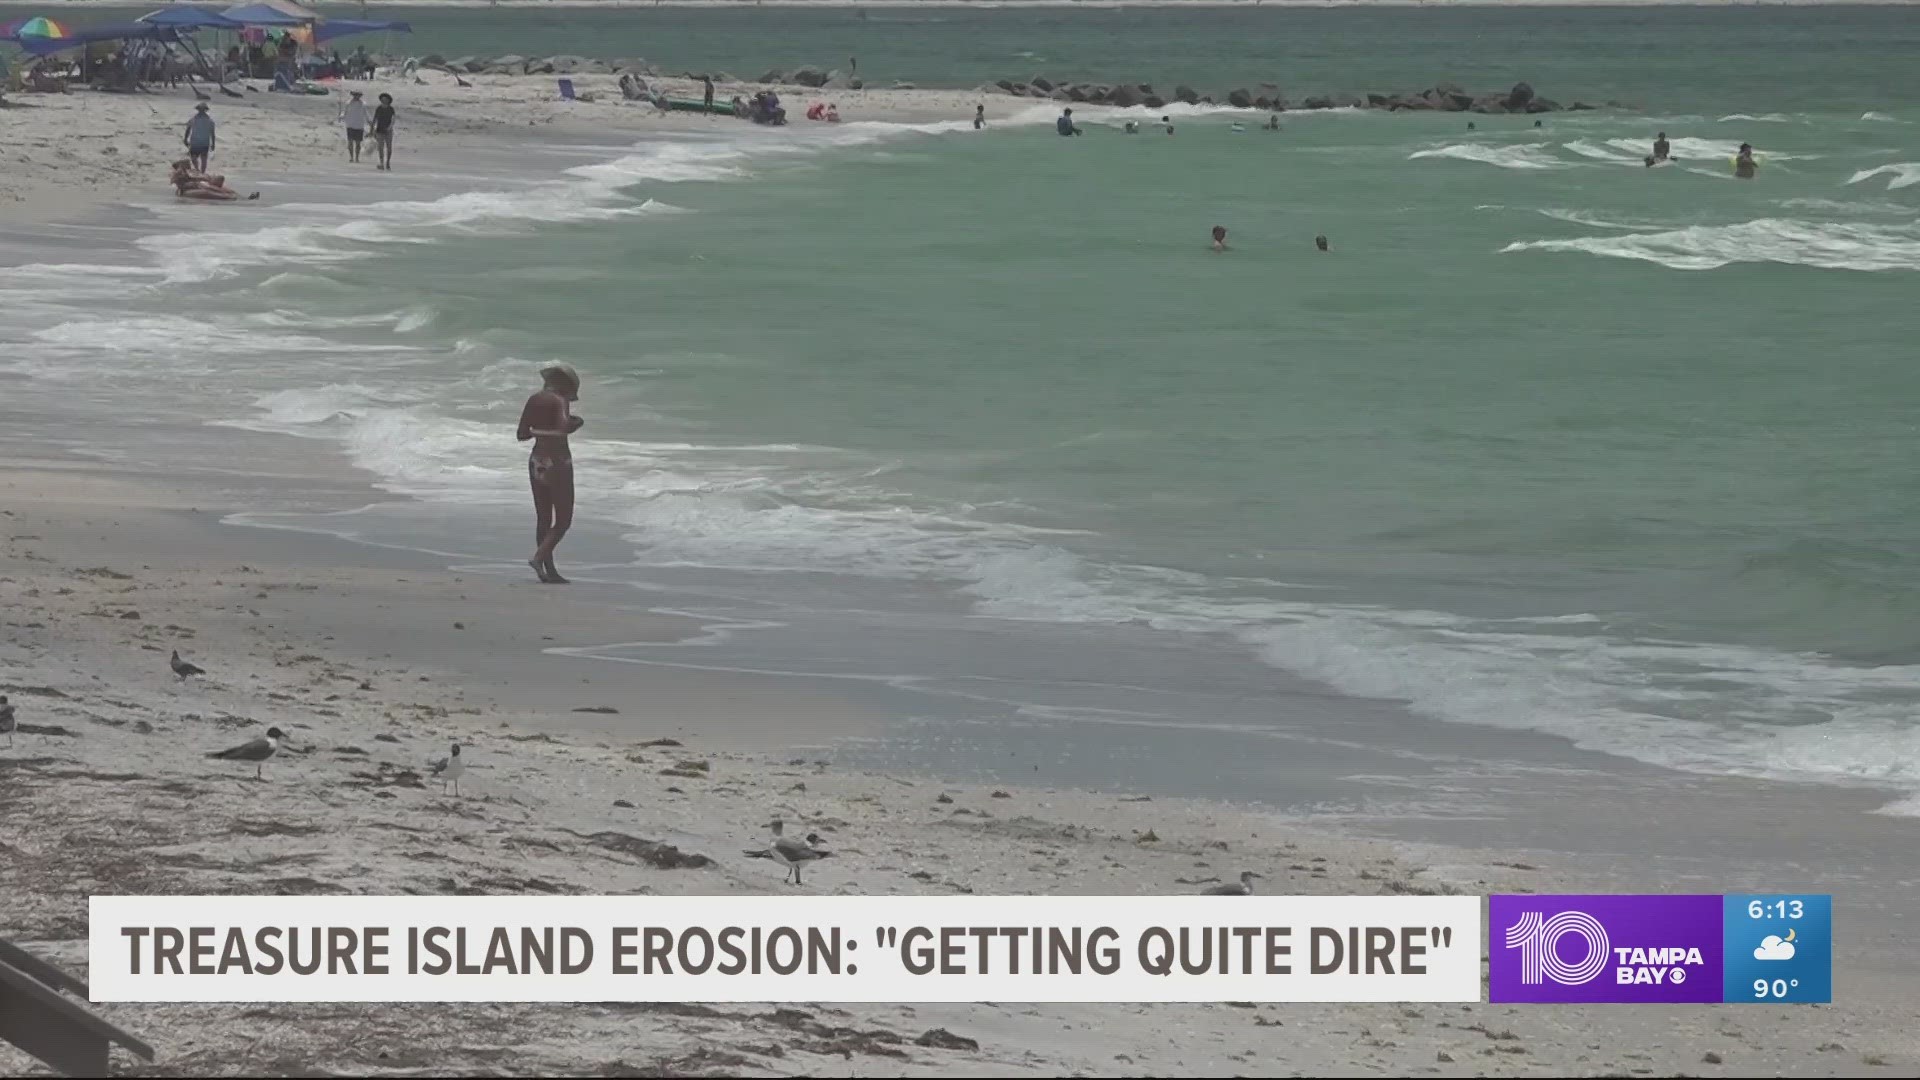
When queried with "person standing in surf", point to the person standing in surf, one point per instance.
{"points": [[548, 419], [1744, 166]]}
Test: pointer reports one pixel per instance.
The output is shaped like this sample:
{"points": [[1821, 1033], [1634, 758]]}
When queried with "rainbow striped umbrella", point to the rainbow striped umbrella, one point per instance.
{"points": [[38, 26]]}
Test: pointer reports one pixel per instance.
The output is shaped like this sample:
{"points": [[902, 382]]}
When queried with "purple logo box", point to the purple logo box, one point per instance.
{"points": [[1605, 948]]}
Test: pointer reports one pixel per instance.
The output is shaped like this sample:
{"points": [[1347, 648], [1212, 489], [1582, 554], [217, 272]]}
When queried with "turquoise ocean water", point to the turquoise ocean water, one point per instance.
{"points": [[1547, 442]]}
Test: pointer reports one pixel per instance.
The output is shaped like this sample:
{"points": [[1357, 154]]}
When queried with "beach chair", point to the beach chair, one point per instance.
{"points": [[566, 90]]}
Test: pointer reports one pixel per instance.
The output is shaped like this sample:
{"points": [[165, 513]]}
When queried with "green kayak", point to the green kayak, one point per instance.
{"points": [[724, 108]]}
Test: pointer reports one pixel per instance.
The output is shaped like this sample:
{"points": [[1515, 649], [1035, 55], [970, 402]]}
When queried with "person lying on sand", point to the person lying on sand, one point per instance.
{"points": [[190, 183]]}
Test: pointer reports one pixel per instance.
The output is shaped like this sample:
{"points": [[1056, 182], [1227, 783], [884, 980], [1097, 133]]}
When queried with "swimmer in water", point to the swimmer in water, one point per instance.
{"points": [[979, 117], [1661, 148], [1167, 122], [1131, 127], [1470, 125], [1321, 242], [1744, 166], [1219, 238], [1273, 122]]}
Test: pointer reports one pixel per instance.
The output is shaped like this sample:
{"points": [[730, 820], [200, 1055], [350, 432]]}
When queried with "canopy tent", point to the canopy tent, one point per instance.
{"points": [[187, 17], [265, 15], [334, 28], [133, 31]]}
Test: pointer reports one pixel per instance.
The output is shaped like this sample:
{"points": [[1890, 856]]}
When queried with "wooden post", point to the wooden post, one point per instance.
{"points": [[36, 1017]]}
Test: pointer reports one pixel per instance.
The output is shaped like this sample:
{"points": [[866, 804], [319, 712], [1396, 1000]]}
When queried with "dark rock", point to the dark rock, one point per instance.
{"points": [[1019, 89], [1036, 92], [807, 76], [1711, 1058], [433, 60], [623, 804], [512, 63], [1518, 97], [1347, 101], [904, 86], [601, 67], [1458, 103], [1042, 82], [1154, 101], [1240, 98], [1185, 93], [1263, 102], [1540, 105], [1581, 106], [1206, 99], [540, 67], [1005, 84], [773, 77], [1059, 95], [1317, 102], [942, 1039], [604, 709], [1378, 101], [856, 84], [567, 65], [459, 63], [837, 81], [1143, 88], [1448, 89], [1076, 93]]}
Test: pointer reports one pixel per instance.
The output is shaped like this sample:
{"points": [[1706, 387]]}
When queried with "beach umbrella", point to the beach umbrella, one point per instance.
{"points": [[38, 26]]}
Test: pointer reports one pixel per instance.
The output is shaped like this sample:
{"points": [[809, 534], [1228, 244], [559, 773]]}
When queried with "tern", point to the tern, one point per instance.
{"points": [[1245, 888], [254, 750]]}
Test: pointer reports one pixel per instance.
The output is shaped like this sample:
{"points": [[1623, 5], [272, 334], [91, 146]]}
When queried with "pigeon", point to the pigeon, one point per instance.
{"points": [[256, 751], [1245, 888], [7, 722], [447, 770], [792, 853], [184, 669]]}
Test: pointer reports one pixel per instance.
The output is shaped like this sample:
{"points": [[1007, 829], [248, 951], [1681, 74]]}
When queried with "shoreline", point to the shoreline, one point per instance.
{"points": [[291, 642], [108, 762]]}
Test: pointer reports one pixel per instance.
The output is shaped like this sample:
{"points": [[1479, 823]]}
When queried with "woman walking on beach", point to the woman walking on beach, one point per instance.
{"points": [[548, 419]]}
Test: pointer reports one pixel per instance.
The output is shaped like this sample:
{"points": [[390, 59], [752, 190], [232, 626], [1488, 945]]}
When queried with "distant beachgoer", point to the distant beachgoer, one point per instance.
{"points": [[1219, 238], [817, 111], [1470, 126], [1744, 166], [199, 137], [548, 419], [1273, 122], [1539, 123], [1064, 125], [1660, 147], [383, 131], [190, 183], [354, 115], [833, 113], [1321, 242], [979, 117], [1167, 122], [706, 82], [1131, 127]]}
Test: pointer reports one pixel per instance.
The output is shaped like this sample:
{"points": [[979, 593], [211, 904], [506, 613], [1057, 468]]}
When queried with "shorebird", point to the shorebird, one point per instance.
{"points": [[1245, 888], [254, 750], [792, 853], [448, 769], [7, 723], [184, 669]]}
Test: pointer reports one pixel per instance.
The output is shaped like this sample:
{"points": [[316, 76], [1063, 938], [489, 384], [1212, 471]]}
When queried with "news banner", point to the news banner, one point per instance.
{"points": [[1538, 948]]}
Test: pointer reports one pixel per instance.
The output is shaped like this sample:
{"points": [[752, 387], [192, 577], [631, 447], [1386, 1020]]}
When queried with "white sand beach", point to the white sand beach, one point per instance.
{"points": [[591, 777], [68, 150], [107, 789]]}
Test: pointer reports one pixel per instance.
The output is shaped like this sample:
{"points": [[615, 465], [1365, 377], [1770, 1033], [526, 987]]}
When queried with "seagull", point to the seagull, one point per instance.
{"points": [[792, 853], [184, 669], [6, 718], [448, 769], [256, 751], [1245, 888]]}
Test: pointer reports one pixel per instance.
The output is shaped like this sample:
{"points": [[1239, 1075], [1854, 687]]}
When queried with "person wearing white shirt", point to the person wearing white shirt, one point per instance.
{"points": [[354, 115]]}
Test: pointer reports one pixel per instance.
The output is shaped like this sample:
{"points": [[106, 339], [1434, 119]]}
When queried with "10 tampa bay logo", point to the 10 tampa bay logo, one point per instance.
{"points": [[1606, 948]]}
